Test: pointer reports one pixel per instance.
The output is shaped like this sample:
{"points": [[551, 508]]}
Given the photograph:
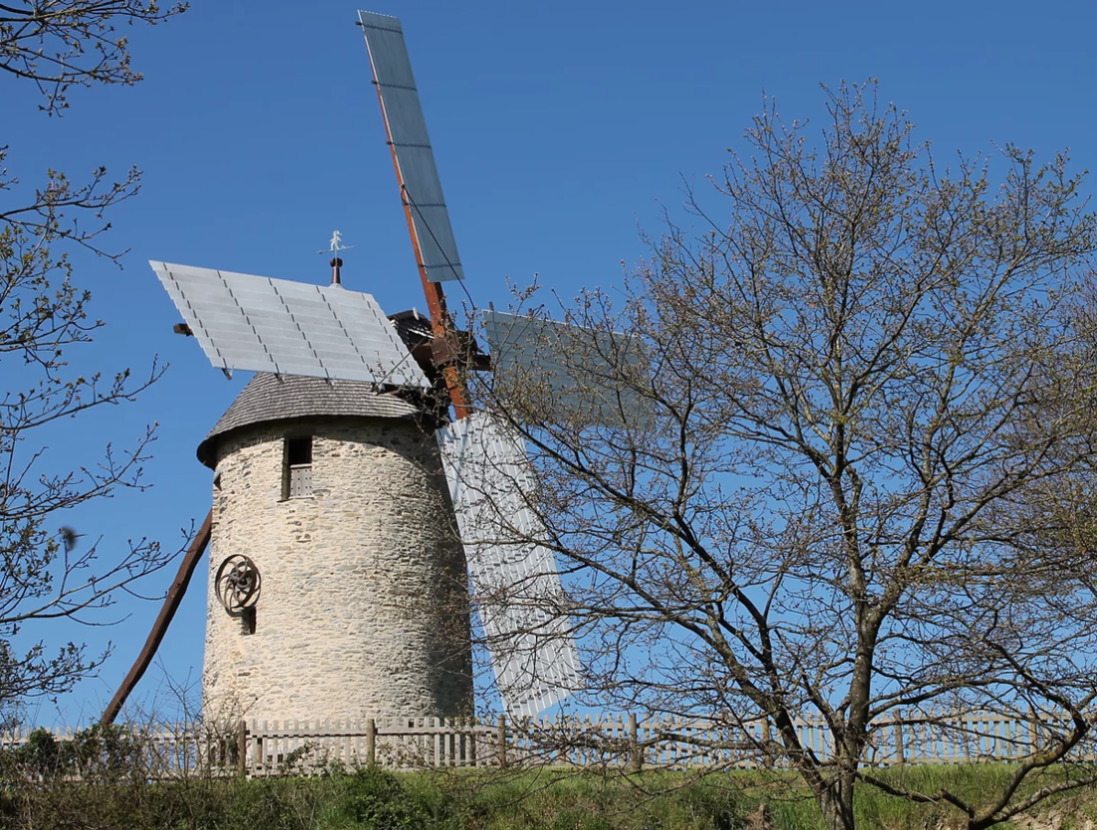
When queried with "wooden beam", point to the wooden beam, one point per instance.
{"points": [[163, 620]]}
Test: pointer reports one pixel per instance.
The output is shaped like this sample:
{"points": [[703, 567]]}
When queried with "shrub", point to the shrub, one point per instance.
{"points": [[376, 799]]}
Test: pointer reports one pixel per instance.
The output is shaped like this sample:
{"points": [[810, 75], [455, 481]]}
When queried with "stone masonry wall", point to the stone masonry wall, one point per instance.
{"points": [[364, 604]]}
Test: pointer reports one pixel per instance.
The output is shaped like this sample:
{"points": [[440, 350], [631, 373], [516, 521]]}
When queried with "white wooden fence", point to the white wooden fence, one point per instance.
{"points": [[269, 748]]}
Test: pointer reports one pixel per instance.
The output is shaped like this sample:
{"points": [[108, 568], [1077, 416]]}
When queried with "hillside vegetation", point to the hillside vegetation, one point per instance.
{"points": [[555, 799]]}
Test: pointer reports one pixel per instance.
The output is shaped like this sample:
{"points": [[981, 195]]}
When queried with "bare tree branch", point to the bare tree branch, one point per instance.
{"points": [[57, 44], [47, 571], [853, 478]]}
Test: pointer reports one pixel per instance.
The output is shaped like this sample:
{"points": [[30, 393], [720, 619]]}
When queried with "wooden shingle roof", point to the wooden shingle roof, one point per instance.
{"points": [[269, 398]]}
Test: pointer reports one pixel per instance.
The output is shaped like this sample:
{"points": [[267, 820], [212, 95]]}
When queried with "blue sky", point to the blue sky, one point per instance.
{"points": [[561, 130]]}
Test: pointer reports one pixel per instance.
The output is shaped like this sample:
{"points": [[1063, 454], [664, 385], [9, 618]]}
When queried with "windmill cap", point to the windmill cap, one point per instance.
{"points": [[268, 398]]}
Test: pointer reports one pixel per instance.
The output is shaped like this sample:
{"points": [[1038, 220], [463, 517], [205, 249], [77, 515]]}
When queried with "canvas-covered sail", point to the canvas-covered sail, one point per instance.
{"points": [[515, 581], [260, 324], [403, 114]]}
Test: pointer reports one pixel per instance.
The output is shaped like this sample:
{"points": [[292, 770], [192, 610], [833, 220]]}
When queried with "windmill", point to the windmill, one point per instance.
{"points": [[290, 329]]}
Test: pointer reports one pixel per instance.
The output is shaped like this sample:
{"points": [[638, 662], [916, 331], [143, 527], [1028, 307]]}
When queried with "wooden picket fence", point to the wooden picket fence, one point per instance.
{"points": [[160, 752], [272, 748]]}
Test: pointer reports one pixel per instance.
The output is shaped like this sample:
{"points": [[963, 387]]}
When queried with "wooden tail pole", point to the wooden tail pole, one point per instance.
{"points": [[163, 620]]}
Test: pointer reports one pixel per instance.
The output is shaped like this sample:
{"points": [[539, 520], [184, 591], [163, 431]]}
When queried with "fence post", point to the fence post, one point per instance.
{"points": [[1032, 733], [371, 743], [258, 754], [899, 748], [242, 748], [636, 761], [501, 740]]}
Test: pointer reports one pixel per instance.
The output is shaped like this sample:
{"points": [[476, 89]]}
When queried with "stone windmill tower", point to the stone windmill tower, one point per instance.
{"points": [[337, 589]]}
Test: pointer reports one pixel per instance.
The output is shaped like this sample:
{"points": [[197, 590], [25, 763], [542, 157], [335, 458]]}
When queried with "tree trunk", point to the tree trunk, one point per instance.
{"points": [[836, 803]]}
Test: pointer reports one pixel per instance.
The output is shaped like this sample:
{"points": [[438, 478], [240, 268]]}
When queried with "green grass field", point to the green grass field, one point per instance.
{"points": [[551, 799]]}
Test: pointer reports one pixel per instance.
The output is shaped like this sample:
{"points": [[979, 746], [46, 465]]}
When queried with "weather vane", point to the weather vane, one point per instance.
{"points": [[336, 245]]}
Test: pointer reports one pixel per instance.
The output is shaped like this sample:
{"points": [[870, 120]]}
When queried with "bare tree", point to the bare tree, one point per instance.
{"points": [[57, 44], [47, 570], [853, 478]]}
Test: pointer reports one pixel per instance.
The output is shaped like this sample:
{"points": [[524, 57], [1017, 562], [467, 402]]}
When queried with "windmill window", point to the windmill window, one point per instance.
{"points": [[297, 476]]}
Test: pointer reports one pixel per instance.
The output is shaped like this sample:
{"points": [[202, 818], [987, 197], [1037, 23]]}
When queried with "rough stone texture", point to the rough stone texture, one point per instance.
{"points": [[364, 603]]}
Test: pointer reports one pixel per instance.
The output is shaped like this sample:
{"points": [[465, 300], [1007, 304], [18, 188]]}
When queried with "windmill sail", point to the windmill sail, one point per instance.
{"points": [[514, 579], [569, 374], [260, 324], [516, 583], [418, 174]]}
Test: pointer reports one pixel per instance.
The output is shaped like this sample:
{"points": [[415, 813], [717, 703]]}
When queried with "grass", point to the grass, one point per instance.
{"points": [[546, 800]]}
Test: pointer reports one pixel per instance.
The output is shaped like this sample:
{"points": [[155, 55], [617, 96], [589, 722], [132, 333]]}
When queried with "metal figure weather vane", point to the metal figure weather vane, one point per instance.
{"points": [[336, 245]]}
